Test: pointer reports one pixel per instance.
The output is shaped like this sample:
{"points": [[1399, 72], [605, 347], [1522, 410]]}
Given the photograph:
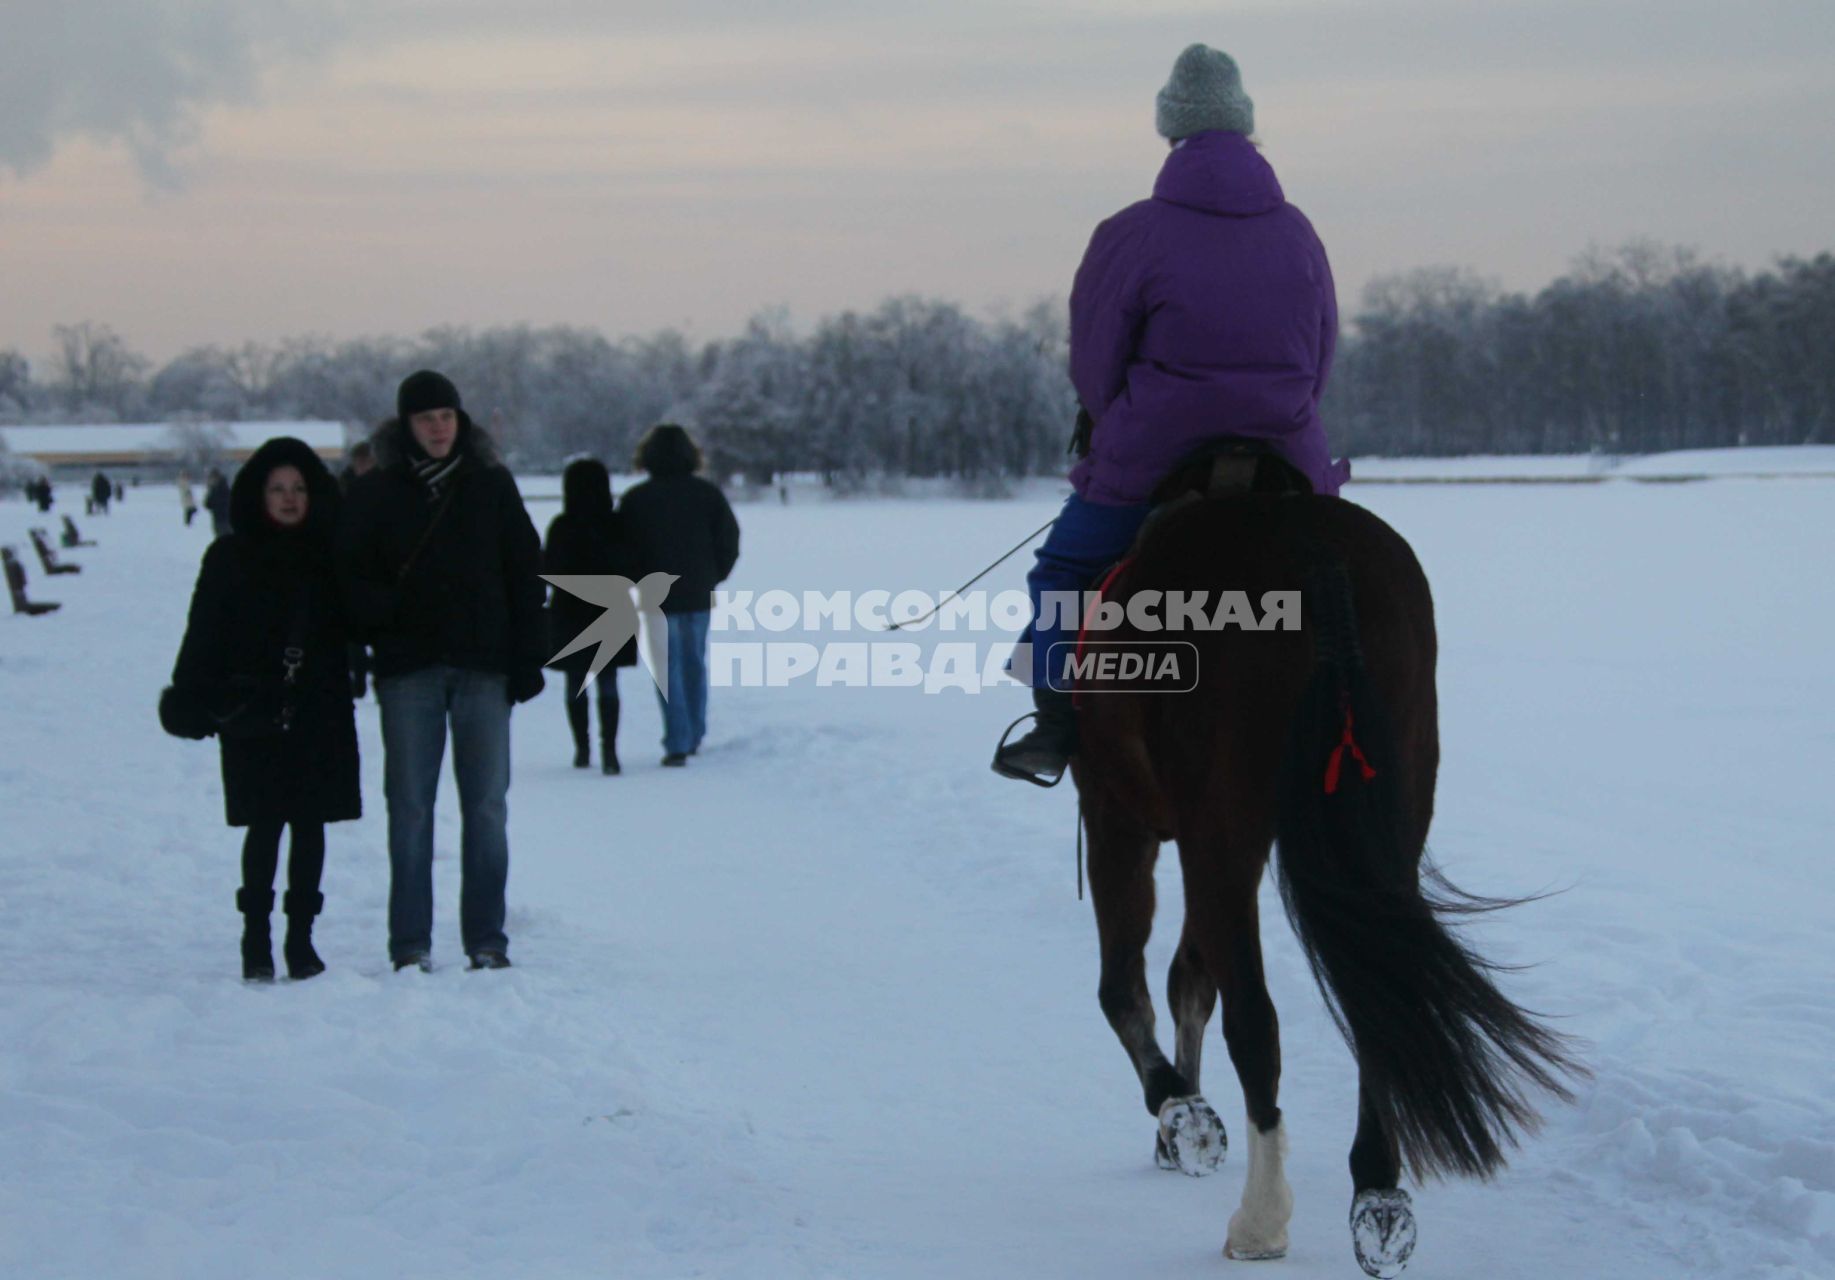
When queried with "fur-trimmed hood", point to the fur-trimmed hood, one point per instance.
{"points": [[395, 447], [248, 514]]}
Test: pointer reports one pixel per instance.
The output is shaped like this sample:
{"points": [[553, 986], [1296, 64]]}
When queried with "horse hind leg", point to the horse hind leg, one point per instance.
{"points": [[1192, 1138], [1122, 852], [1251, 1029]]}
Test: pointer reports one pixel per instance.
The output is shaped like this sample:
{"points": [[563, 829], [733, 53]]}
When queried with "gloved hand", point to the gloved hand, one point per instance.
{"points": [[183, 715], [524, 683]]}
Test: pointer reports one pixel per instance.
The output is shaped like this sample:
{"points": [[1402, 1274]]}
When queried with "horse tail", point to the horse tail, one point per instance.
{"points": [[1449, 1062]]}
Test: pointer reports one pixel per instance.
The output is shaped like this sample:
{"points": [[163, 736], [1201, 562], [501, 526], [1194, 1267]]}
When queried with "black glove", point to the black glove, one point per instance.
{"points": [[524, 683], [1081, 435], [184, 715]]}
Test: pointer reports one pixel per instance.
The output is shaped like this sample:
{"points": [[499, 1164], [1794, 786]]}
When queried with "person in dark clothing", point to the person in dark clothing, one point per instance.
{"points": [[362, 462], [217, 502], [100, 491], [681, 524], [262, 667], [41, 494], [441, 569], [588, 538]]}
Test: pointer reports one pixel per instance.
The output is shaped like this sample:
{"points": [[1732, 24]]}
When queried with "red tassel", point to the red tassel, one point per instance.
{"points": [[1347, 742]]}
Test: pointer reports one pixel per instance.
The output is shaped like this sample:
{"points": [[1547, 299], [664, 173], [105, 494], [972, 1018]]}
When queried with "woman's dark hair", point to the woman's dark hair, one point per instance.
{"points": [[668, 450], [586, 488]]}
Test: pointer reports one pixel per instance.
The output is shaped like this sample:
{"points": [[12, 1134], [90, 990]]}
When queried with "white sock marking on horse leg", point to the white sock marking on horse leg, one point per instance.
{"points": [[1259, 1228]]}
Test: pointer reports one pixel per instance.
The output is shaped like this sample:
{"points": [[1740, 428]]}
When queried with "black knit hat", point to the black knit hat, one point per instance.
{"points": [[424, 390]]}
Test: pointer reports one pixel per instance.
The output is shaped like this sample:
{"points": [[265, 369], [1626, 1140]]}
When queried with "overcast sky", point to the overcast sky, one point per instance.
{"points": [[196, 171]]}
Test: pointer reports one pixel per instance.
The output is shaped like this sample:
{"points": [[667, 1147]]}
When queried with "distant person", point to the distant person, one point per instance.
{"points": [[217, 502], [120, 491], [100, 491], [588, 538], [262, 667], [681, 524], [186, 502], [42, 494], [361, 462], [442, 568], [1204, 313]]}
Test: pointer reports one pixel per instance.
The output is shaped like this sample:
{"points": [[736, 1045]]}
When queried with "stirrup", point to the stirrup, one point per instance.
{"points": [[1007, 771]]}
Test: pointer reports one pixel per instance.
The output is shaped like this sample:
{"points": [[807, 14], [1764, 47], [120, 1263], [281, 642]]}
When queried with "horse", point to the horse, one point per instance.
{"points": [[1320, 741]]}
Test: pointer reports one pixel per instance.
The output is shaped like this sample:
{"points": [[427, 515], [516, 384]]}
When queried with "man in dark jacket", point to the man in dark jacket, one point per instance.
{"points": [[441, 567], [681, 524]]}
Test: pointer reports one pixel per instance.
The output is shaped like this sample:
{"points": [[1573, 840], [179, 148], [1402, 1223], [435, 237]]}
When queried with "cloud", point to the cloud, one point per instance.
{"points": [[139, 73]]}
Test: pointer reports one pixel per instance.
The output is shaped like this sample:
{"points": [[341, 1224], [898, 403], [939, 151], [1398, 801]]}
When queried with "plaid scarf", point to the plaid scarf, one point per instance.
{"points": [[437, 473]]}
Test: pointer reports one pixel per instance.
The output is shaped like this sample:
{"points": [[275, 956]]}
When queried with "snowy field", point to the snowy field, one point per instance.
{"points": [[823, 1004]]}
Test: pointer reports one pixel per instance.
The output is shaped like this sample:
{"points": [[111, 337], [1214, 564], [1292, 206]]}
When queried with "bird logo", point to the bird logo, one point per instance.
{"points": [[618, 625]]}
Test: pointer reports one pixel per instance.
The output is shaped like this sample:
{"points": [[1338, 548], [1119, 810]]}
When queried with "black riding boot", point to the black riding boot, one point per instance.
{"points": [[1043, 754], [302, 960], [257, 942]]}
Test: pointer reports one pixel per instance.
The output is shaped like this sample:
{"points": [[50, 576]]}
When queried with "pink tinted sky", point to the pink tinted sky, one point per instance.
{"points": [[195, 171]]}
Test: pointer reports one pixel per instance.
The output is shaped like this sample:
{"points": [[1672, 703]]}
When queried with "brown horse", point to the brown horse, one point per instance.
{"points": [[1321, 740]]}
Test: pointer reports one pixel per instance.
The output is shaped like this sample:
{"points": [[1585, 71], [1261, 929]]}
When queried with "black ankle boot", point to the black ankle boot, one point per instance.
{"points": [[608, 737], [1042, 755], [302, 960], [257, 942]]}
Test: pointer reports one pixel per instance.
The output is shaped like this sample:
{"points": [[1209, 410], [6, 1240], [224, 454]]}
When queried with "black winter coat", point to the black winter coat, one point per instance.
{"points": [[471, 596], [585, 544], [682, 524], [252, 582]]}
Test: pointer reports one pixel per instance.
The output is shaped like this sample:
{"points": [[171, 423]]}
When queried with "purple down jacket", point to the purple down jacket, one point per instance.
{"points": [[1206, 311]]}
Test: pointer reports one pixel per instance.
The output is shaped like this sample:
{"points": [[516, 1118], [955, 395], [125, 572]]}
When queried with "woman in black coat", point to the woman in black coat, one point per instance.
{"points": [[263, 666], [587, 538]]}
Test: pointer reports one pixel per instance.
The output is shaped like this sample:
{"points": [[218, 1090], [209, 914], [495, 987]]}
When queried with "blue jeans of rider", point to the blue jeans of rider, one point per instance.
{"points": [[416, 709], [1087, 538], [685, 707]]}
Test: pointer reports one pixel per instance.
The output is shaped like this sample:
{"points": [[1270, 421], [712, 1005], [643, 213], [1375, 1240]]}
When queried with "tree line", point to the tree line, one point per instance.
{"points": [[1640, 349]]}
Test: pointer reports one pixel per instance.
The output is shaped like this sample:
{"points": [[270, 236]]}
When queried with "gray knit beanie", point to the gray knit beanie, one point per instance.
{"points": [[1205, 92]]}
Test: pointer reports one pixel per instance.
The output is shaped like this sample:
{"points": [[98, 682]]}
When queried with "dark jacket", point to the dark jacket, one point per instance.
{"points": [[588, 537], [254, 582], [682, 524], [219, 502], [462, 588]]}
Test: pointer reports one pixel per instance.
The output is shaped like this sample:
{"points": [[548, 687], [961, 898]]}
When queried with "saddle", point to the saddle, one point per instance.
{"points": [[1224, 469]]}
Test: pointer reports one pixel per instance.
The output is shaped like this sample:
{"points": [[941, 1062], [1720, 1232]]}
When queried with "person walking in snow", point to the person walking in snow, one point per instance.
{"points": [[588, 537], [442, 567], [680, 523], [186, 502], [1203, 313], [216, 501], [262, 668]]}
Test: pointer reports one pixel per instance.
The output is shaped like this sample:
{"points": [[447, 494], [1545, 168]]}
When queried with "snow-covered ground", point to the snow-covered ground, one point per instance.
{"points": [[1793, 461], [823, 1004]]}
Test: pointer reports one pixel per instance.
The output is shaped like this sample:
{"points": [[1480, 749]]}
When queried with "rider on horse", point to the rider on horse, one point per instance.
{"points": [[1204, 313]]}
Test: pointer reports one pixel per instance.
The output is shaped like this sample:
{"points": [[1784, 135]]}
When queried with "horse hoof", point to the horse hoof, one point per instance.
{"points": [[1192, 1135], [1162, 1156], [1382, 1232], [1251, 1254]]}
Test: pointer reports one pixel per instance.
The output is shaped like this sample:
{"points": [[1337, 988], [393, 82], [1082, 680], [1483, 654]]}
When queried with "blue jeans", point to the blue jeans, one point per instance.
{"points": [[685, 709], [415, 710], [1087, 538]]}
